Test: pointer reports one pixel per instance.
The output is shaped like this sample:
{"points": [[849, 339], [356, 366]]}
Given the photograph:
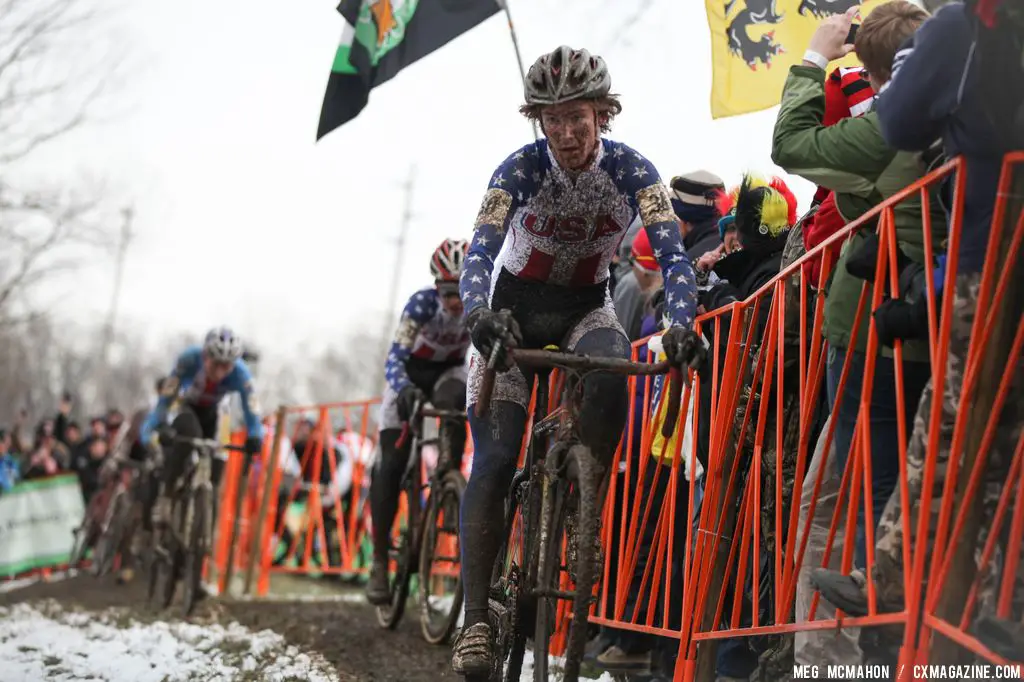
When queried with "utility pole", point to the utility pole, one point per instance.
{"points": [[396, 275], [128, 215]]}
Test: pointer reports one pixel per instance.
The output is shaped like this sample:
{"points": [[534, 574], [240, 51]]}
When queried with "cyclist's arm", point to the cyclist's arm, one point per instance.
{"points": [[512, 181], [246, 388], [184, 370], [420, 308], [641, 182]]}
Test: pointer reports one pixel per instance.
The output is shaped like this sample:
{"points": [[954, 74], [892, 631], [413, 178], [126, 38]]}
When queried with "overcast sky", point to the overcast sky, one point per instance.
{"points": [[257, 226]]}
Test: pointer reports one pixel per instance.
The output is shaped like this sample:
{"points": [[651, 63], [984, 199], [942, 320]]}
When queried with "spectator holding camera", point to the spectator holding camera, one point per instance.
{"points": [[853, 159]]}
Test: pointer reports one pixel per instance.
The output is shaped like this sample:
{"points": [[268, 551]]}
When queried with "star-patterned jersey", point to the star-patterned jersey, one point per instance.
{"points": [[426, 331], [188, 382], [541, 226]]}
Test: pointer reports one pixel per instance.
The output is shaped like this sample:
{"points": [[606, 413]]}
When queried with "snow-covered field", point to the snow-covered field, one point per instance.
{"points": [[45, 642]]}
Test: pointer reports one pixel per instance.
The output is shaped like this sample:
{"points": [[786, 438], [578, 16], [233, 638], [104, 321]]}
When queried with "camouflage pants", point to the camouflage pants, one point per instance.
{"points": [[889, 569], [817, 647]]}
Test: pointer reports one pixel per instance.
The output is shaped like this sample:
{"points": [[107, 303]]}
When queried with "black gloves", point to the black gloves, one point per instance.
{"points": [[166, 434], [897, 319], [487, 327], [253, 446], [407, 399], [684, 348], [862, 262]]}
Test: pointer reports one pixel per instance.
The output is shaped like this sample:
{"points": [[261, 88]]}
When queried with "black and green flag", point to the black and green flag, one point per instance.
{"points": [[382, 37]]}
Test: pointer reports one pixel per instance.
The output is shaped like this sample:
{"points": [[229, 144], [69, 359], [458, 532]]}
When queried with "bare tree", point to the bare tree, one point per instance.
{"points": [[52, 74]]}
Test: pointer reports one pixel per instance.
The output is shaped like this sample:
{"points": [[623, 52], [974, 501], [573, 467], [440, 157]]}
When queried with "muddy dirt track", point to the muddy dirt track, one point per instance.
{"points": [[344, 632]]}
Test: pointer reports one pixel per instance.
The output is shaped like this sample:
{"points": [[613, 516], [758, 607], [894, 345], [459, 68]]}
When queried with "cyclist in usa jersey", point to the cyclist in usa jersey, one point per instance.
{"points": [[537, 274], [427, 361]]}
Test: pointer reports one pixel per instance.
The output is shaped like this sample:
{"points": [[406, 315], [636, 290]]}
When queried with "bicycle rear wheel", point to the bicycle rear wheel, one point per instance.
{"points": [[405, 557], [196, 549], [440, 574], [570, 562]]}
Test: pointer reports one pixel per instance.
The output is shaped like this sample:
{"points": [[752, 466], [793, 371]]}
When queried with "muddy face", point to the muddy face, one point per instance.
{"points": [[573, 132]]}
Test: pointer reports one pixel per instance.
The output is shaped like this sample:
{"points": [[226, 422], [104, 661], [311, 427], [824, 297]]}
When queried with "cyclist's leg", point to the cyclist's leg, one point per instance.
{"points": [[450, 394], [209, 418], [605, 396], [385, 488], [185, 424], [497, 439]]}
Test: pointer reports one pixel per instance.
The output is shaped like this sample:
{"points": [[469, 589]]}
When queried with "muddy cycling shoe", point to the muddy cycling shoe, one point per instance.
{"points": [[378, 592], [471, 654]]}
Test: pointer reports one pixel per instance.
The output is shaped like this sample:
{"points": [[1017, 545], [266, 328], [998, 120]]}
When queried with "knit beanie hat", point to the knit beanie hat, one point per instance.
{"points": [[694, 195], [762, 211], [643, 254]]}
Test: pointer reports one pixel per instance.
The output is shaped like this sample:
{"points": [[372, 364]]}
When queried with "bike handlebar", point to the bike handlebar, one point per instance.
{"points": [[424, 412], [551, 359]]}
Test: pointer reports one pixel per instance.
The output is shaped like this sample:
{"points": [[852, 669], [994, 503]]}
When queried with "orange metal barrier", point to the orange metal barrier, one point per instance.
{"points": [[342, 517], [333, 530], [724, 551]]}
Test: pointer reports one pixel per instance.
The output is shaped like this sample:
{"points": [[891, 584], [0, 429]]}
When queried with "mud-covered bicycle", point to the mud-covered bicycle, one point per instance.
{"points": [[552, 516], [427, 543], [185, 542]]}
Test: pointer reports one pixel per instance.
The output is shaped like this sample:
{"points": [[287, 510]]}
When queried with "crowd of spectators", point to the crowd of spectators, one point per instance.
{"points": [[927, 89], [59, 445]]}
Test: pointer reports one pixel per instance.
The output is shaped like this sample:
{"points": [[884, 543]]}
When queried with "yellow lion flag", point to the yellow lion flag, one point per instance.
{"points": [[754, 42]]}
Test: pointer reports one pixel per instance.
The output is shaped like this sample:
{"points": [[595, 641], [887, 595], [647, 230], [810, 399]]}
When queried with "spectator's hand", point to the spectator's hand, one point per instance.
{"points": [[65, 404], [707, 261], [830, 39], [407, 400], [253, 446], [897, 319], [684, 348]]}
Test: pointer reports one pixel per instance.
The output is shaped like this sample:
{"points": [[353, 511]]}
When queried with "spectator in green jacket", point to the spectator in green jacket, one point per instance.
{"points": [[852, 159]]}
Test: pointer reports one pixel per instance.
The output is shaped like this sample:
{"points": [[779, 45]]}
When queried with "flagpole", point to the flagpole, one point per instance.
{"points": [[503, 4]]}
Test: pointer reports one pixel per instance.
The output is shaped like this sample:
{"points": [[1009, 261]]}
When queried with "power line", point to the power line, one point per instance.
{"points": [[396, 275]]}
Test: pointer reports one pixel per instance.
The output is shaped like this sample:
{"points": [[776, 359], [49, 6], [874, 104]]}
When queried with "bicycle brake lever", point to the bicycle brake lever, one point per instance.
{"points": [[483, 402]]}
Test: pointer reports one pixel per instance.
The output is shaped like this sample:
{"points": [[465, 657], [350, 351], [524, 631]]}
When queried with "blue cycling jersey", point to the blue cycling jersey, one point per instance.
{"points": [[188, 381]]}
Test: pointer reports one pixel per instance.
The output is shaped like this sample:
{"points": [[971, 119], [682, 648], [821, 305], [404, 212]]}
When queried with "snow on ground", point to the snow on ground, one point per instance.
{"points": [[554, 663], [43, 641]]}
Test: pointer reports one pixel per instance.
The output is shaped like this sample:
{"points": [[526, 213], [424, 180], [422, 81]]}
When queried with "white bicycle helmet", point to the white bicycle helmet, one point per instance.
{"points": [[221, 345], [567, 74], [446, 263]]}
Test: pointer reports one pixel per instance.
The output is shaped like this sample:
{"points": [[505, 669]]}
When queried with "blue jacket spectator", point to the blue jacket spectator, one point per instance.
{"points": [[9, 470], [940, 89]]}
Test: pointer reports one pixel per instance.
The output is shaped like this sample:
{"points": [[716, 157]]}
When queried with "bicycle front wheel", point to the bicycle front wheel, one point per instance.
{"points": [[565, 582], [405, 559], [110, 539], [440, 561], [196, 550]]}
